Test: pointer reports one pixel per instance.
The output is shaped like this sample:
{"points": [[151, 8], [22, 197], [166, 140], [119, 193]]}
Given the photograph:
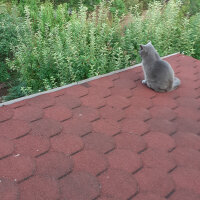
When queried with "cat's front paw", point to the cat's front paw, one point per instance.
{"points": [[144, 82]]}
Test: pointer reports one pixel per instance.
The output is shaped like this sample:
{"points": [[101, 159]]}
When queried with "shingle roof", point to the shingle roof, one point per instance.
{"points": [[107, 139]]}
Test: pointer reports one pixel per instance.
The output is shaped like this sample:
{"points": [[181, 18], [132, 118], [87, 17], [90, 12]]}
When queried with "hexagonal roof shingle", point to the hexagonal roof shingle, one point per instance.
{"points": [[106, 139]]}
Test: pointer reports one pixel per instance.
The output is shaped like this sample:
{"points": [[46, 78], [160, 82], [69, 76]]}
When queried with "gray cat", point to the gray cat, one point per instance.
{"points": [[158, 74]]}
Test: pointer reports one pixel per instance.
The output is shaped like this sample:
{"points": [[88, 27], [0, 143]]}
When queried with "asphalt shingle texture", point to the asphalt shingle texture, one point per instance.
{"points": [[107, 139]]}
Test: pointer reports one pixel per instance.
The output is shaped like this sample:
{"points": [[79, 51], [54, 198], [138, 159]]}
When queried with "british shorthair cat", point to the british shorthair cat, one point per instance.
{"points": [[158, 74]]}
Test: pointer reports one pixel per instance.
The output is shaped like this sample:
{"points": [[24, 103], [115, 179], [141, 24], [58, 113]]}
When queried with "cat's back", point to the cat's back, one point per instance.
{"points": [[162, 67]]}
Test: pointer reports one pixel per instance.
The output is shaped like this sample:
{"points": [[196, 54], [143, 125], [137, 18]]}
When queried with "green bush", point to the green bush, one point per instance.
{"points": [[8, 38], [118, 7], [54, 54], [194, 6], [73, 4], [55, 48], [163, 26], [195, 34]]}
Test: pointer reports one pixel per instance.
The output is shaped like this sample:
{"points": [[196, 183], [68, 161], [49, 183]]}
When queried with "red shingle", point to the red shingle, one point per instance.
{"points": [[99, 142], [159, 141], [5, 113], [107, 198], [187, 125], [129, 74], [109, 127], [77, 91], [134, 126], [109, 112], [67, 143], [188, 113], [79, 185], [8, 190], [46, 127], [86, 113], [6, 147], [163, 112], [138, 113], [186, 157], [58, 113], [69, 101], [124, 92], [54, 164], [77, 127], [148, 196], [187, 179], [28, 113], [100, 91], [143, 91], [124, 160], [18, 104], [188, 102], [118, 184], [144, 102], [164, 101], [117, 101], [187, 140], [93, 101], [17, 167], [108, 139], [39, 187], [188, 90], [162, 125], [124, 84], [14, 128], [32, 145], [184, 194], [91, 162], [158, 159], [131, 141], [155, 181], [42, 101], [105, 82]]}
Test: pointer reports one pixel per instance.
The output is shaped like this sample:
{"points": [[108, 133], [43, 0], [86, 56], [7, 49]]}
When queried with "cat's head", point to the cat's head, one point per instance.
{"points": [[147, 50]]}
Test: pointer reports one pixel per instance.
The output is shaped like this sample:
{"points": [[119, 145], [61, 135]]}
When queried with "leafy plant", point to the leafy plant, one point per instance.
{"points": [[163, 26], [8, 39], [52, 54], [118, 6], [52, 47], [195, 34]]}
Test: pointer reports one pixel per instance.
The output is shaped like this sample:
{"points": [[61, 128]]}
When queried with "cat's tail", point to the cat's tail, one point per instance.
{"points": [[176, 83]]}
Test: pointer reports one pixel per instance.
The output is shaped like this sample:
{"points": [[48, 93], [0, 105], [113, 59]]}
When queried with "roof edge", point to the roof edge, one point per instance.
{"points": [[75, 83]]}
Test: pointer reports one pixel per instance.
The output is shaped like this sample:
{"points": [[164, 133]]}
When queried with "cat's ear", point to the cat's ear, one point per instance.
{"points": [[141, 47], [149, 42]]}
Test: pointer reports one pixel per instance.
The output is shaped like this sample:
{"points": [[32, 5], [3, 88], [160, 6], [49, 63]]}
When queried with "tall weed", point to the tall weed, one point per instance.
{"points": [[8, 38], [52, 54], [55, 47], [164, 27]]}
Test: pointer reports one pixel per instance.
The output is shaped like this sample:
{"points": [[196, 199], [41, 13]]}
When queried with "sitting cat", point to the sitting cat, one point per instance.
{"points": [[158, 74]]}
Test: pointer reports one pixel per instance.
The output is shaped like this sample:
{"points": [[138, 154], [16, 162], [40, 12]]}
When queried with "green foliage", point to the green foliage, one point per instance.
{"points": [[73, 4], [163, 26], [14, 92], [189, 7], [52, 47], [7, 39], [53, 54], [90, 4], [195, 34], [194, 6], [118, 6]]}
